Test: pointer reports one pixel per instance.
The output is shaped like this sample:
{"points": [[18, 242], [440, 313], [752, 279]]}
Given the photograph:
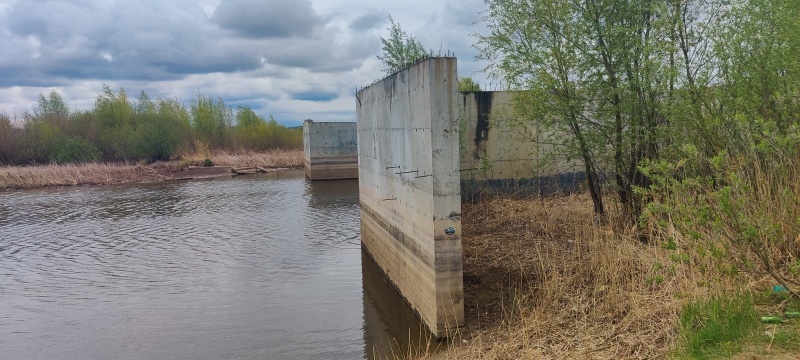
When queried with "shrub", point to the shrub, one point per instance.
{"points": [[74, 150]]}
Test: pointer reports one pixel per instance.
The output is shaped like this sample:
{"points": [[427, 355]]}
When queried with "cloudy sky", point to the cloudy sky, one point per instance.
{"points": [[295, 59]]}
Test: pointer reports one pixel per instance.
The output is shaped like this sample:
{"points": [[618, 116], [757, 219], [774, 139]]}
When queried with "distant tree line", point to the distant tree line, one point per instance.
{"points": [[120, 129]]}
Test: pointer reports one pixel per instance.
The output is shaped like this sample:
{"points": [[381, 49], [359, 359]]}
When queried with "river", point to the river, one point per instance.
{"points": [[252, 267]]}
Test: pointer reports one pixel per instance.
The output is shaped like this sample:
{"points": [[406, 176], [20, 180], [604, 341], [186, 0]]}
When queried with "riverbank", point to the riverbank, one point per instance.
{"points": [[189, 166], [543, 281]]}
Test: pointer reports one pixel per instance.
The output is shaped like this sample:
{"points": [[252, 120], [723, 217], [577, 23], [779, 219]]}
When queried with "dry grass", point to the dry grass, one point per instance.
{"points": [[270, 159], [542, 280], [32, 177]]}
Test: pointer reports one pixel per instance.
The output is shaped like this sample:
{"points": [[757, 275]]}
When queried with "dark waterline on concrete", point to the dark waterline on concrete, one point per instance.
{"points": [[260, 267]]}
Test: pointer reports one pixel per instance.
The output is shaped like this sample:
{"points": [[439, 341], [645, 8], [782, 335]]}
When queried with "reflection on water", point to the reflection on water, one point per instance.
{"points": [[259, 267], [390, 326]]}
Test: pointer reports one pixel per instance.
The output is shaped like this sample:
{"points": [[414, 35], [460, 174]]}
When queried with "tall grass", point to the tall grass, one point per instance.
{"points": [[740, 208], [542, 279]]}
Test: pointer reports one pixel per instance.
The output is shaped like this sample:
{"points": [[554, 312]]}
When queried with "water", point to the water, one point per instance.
{"points": [[259, 267]]}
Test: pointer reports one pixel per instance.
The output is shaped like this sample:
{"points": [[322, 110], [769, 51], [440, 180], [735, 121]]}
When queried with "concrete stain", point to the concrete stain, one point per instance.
{"points": [[483, 101]]}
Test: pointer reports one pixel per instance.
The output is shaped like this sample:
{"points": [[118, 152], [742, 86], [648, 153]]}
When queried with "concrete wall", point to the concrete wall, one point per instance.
{"points": [[330, 150], [502, 153], [409, 188]]}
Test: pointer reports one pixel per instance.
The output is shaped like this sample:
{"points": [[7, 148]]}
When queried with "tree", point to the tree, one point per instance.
{"points": [[8, 141], [401, 49], [211, 120], [115, 113], [603, 71], [466, 84], [51, 108]]}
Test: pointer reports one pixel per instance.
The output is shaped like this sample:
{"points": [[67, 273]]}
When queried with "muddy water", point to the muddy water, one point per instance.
{"points": [[260, 267]]}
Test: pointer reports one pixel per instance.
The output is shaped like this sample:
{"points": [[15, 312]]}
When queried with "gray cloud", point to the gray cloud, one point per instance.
{"points": [[122, 40], [296, 59], [53, 41], [368, 21], [268, 19]]}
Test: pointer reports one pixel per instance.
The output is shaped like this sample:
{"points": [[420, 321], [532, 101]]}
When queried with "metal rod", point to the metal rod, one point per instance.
{"points": [[392, 167], [407, 172], [423, 176], [389, 199]]}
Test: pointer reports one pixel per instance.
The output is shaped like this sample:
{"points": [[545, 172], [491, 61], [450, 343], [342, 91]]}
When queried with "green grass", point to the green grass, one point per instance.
{"points": [[715, 327]]}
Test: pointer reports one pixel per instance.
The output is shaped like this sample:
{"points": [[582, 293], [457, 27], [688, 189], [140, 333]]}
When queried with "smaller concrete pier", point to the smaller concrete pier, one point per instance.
{"points": [[330, 150]]}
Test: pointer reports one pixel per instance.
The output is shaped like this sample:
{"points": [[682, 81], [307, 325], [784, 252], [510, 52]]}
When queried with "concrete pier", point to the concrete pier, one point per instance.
{"points": [[409, 188], [330, 150], [502, 153]]}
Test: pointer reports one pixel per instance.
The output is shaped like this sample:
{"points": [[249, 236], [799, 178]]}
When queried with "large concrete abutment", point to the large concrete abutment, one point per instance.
{"points": [[502, 152], [409, 187], [330, 150]]}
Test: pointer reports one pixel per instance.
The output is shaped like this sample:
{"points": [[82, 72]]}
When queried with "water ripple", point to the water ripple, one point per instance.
{"points": [[244, 268]]}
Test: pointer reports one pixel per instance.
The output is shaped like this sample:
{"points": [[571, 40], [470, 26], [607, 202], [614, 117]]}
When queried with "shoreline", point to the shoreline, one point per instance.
{"points": [[224, 164]]}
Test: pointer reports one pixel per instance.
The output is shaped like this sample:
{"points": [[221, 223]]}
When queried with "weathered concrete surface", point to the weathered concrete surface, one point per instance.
{"points": [[330, 150], [409, 188], [500, 153]]}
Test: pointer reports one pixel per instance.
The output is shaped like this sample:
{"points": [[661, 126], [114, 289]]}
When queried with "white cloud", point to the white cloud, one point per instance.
{"points": [[294, 59]]}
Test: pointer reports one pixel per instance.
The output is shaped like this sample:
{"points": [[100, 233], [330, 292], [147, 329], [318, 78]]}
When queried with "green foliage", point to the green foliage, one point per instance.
{"points": [[163, 126], [8, 140], [712, 327], [466, 84], [51, 109], [743, 200], [38, 140], [146, 129], [73, 150], [400, 49], [255, 133], [590, 72], [211, 120]]}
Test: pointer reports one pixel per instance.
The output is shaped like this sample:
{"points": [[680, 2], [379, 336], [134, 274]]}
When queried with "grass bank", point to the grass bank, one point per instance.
{"points": [[32, 177], [542, 280]]}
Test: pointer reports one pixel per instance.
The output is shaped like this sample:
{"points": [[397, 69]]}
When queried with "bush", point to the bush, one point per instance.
{"points": [[74, 150], [8, 141]]}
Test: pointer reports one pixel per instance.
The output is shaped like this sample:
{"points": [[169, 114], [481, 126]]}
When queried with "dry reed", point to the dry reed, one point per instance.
{"points": [[32, 177], [543, 280], [268, 159]]}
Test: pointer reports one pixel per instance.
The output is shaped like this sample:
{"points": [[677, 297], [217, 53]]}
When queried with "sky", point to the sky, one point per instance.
{"points": [[293, 59]]}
